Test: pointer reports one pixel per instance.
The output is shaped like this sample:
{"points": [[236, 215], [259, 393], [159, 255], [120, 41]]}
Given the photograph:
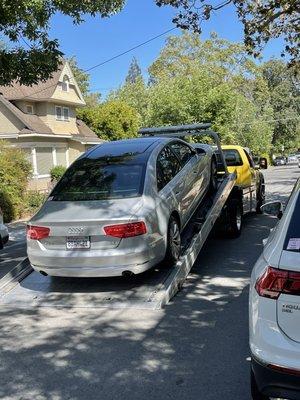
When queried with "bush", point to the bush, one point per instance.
{"points": [[15, 171], [57, 172], [34, 200]]}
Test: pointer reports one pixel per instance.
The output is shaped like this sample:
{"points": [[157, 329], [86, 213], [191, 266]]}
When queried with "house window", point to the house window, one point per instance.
{"points": [[61, 158], [29, 109], [65, 84], [58, 112], [44, 160], [62, 113]]}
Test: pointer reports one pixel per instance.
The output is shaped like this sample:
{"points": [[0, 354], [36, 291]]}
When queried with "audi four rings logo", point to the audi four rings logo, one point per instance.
{"points": [[75, 229]]}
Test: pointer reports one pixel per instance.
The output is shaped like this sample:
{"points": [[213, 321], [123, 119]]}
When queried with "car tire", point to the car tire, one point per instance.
{"points": [[213, 184], [235, 219], [260, 196], [173, 241], [255, 393]]}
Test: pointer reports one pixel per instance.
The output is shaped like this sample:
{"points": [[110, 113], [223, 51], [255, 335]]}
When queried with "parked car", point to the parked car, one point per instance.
{"points": [[292, 159], [275, 307], [279, 161], [120, 208], [4, 236]]}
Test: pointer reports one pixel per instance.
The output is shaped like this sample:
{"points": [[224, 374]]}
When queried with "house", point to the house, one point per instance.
{"points": [[41, 120]]}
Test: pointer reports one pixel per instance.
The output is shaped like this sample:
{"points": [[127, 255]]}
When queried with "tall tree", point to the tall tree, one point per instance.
{"points": [[134, 73], [262, 20]]}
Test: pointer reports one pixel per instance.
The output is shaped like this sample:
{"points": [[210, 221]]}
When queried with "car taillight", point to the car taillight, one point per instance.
{"points": [[37, 232], [276, 281], [126, 230]]}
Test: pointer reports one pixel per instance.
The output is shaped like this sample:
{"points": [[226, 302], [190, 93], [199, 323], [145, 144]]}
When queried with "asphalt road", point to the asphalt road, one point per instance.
{"points": [[194, 349]]}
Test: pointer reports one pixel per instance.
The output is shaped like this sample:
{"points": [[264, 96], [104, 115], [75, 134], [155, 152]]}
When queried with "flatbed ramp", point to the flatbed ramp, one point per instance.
{"points": [[150, 290]]}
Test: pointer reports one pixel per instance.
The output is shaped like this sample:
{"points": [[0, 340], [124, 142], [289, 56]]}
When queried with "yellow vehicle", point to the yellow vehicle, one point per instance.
{"points": [[250, 180]]}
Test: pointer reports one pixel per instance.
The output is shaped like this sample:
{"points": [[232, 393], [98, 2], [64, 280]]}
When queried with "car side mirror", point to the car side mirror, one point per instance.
{"points": [[273, 208], [263, 163]]}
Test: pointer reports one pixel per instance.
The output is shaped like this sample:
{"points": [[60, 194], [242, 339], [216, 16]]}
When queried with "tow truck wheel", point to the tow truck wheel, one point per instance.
{"points": [[260, 198], [213, 185], [235, 215], [256, 395], [174, 241]]}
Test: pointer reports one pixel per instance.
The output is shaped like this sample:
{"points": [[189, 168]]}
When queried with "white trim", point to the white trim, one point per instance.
{"points": [[9, 136], [54, 159], [42, 144], [34, 161], [54, 136], [67, 157]]}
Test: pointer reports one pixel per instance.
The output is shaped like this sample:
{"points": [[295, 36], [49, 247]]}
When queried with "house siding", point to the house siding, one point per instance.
{"points": [[47, 113]]}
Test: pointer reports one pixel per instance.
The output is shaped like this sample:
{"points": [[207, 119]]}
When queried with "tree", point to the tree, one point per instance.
{"points": [[262, 20], [134, 73], [284, 92], [28, 21], [112, 120]]}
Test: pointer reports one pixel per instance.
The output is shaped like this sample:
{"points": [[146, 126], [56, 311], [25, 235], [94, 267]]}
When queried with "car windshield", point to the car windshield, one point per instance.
{"points": [[292, 239], [102, 179]]}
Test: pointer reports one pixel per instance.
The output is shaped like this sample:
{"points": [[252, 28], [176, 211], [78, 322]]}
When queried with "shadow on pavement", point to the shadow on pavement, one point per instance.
{"points": [[194, 349]]}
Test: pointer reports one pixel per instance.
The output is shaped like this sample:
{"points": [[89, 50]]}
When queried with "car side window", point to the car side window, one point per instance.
{"points": [[183, 151], [167, 167]]}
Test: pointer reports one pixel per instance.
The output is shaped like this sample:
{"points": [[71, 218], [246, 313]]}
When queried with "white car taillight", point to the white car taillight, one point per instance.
{"points": [[276, 281]]}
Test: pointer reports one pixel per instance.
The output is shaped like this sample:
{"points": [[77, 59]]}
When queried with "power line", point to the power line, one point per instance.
{"points": [[109, 59]]}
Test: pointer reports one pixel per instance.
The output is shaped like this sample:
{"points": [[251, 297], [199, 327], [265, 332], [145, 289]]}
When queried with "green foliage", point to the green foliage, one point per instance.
{"points": [[134, 72], [111, 120], [34, 200], [214, 80], [29, 20], [57, 172], [262, 21], [15, 171]]}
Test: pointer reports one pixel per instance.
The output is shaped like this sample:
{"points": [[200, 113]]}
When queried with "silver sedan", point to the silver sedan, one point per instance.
{"points": [[120, 208]]}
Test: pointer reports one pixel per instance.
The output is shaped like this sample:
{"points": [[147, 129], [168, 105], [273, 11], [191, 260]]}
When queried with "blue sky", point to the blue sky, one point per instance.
{"points": [[98, 39]]}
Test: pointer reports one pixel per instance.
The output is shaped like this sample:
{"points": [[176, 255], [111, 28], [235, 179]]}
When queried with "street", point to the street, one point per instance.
{"points": [[196, 348]]}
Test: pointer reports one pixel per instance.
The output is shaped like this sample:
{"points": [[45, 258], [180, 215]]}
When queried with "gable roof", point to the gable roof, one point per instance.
{"points": [[40, 91]]}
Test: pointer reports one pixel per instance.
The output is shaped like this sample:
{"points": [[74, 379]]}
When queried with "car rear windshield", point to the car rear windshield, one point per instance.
{"points": [[90, 179], [232, 158], [292, 239]]}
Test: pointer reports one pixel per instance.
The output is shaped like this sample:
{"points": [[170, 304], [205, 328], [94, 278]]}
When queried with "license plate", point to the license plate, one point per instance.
{"points": [[78, 242]]}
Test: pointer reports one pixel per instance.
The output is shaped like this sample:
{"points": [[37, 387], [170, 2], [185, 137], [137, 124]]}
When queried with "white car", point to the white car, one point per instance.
{"points": [[3, 231], [275, 307]]}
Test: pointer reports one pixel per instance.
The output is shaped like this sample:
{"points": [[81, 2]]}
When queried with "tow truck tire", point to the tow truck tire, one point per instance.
{"points": [[260, 197], [235, 219], [213, 184], [255, 393], [173, 241]]}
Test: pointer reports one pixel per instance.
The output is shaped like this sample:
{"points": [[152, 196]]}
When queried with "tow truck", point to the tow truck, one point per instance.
{"points": [[24, 287]]}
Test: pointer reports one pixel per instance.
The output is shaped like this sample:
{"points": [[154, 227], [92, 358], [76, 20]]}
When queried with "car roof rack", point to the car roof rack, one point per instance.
{"points": [[182, 131]]}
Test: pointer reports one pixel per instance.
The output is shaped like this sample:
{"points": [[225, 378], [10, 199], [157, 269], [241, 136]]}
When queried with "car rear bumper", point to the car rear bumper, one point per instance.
{"points": [[273, 383]]}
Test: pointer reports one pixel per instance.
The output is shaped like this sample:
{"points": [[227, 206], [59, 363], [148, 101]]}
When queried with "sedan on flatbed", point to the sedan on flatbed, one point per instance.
{"points": [[120, 208]]}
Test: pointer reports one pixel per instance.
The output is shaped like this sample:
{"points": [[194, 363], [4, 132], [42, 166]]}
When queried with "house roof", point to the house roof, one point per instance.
{"points": [[40, 91]]}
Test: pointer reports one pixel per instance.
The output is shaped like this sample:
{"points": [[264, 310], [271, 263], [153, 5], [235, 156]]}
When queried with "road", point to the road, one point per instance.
{"points": [[196, 348]]}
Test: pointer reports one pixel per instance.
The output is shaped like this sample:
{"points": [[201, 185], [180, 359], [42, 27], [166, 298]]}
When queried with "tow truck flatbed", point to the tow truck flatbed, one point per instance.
{"points": [[150, 290]]}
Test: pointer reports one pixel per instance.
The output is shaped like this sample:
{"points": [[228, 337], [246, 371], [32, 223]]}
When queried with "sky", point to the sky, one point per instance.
{"points": [[97, 40]]}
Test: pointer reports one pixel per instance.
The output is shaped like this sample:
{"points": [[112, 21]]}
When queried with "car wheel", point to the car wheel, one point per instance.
{"points": [[235, 215], [174, 241], [260, 199], [213, 184], [255, 393]]}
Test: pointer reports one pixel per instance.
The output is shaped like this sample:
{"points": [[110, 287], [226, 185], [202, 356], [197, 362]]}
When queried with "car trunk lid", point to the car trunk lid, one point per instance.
{"points": [[71, 222], [288, 305]]}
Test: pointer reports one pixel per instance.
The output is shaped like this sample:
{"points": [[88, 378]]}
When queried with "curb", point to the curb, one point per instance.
{"points": [[15, 276]]}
